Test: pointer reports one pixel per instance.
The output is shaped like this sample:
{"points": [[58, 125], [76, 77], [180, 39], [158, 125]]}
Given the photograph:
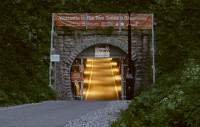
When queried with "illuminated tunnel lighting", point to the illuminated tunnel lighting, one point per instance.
{"points": [[114, 63], [87, 72], [86, 81], [92, 81], [116, 69], [96, 66], [88, 65], [99, 82], [89, 59], [118, 77], [119, 88]]}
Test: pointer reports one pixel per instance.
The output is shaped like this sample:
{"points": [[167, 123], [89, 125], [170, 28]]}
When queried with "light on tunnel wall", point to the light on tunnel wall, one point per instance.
{"points": [[116, 69], [119, 88], [86, 81], [118, 77], [87, 72], [89, 60], [88, 65], [114, 63]]}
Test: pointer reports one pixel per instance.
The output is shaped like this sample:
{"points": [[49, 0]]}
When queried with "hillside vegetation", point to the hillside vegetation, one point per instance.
{"points": [[172, 101]]}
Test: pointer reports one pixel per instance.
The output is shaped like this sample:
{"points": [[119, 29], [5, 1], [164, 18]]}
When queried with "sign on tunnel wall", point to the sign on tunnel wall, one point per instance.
{"points": [[102, 51], [93, 21], [76, 76]]}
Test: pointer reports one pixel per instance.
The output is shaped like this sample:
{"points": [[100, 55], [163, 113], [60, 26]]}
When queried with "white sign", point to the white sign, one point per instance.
{"points": [[55, 58], [102, 51]]}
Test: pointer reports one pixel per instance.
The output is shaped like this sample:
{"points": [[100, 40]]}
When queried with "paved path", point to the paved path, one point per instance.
{"points": [[101, 82], [48, 114]]}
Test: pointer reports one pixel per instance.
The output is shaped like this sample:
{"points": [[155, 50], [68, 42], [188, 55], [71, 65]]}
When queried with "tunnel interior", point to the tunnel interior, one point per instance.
{"points": [[99, 78], [102, 78]]}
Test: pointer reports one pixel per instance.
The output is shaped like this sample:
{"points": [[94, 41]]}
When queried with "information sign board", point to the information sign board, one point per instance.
{"points": [[55, 58], [76, 76], [102, 51]]}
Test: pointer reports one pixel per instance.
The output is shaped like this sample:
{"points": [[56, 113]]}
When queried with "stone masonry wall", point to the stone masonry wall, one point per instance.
{"points": [[70, 44]]}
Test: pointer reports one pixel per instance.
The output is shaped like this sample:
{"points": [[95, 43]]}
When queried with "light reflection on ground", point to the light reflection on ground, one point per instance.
{"points": [[102, 83]]}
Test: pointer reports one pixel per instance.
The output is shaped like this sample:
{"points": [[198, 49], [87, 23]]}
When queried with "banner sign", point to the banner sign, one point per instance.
{"points": [[76, 76], [102, 51], [93, 21]]}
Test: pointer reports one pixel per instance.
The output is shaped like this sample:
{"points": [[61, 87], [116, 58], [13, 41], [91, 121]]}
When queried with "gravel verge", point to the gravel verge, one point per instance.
{"points": [[101, 117]]}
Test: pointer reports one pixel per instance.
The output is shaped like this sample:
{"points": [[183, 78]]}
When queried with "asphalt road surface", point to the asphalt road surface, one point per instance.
{"points": [[48, 114]]}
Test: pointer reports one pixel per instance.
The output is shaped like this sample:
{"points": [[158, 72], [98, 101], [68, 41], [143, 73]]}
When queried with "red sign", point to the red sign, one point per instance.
{"points": [[76, 76], [93, 21]]}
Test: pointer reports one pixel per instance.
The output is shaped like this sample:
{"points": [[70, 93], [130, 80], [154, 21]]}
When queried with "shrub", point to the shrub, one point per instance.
{"points": [[3, 97], [173, 102]]}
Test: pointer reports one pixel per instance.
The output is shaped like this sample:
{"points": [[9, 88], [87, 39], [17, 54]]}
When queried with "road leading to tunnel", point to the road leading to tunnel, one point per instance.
{"points": [[48, 114], [101, 83]]}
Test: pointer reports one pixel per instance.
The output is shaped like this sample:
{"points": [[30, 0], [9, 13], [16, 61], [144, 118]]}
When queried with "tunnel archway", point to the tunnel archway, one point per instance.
{"points": [[70, 44], [103, 73]]}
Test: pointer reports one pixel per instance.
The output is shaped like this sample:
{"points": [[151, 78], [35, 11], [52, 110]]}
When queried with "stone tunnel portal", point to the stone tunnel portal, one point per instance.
{"points": [[77, 51]]}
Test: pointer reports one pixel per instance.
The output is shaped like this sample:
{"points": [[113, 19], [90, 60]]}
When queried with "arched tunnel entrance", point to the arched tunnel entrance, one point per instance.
{"points": [[81, 46], [99, 73]]}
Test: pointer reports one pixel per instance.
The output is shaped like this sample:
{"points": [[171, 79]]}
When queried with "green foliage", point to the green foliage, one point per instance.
{"points": [[15, 94], [24, 39], [66, 29], [177, 33], [174, 100], [3, 97], [108, 30]]}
